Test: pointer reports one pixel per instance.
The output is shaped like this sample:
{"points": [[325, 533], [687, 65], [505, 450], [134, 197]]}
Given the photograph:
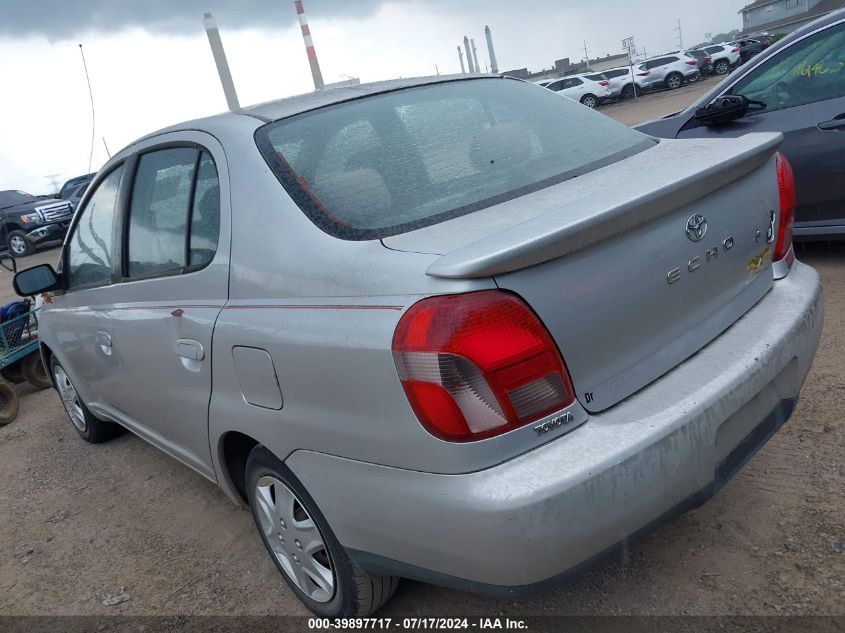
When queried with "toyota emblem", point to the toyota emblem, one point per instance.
{"points": [[697, 228]]}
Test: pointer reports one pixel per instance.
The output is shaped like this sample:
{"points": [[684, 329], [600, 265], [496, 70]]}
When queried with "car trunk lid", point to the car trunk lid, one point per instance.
{"points": [[617, 263]]}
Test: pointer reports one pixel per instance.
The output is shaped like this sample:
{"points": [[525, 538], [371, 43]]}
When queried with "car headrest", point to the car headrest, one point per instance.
{"points": [[359, 196]]}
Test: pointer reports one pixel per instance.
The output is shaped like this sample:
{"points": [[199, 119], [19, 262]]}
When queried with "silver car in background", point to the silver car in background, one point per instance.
{"points": [[668, 71], [411, 328]]}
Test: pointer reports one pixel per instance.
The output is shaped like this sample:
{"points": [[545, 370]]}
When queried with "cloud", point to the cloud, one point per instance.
{"points": [[70, 19]]}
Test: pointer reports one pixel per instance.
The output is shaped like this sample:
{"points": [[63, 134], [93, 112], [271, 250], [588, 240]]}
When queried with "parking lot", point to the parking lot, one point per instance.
{"points": [[123, 523]]}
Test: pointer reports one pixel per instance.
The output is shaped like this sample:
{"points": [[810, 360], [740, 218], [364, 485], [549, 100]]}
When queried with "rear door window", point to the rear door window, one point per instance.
{"points": [[174, 213]]}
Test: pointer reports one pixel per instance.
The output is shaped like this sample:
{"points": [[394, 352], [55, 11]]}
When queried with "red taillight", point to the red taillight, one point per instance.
{"points": [[604, 83], [477, 365], [645, 74], [692, 62], [736, 50], [707, 58], [786, 189]]}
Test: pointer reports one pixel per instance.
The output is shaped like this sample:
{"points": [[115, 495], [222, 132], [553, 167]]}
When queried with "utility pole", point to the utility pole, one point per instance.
{"points": [[461, 57], [494, 65], [475, 56], [586, 54], [220, 59], [469, 55], [316, 74], [680, 35]]}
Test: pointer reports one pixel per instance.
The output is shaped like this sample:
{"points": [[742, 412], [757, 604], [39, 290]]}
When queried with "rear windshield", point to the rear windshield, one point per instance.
{"points": [[596, 77], [399, 161]]}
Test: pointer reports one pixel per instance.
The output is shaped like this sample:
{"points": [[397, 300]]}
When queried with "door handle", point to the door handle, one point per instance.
{"points": [[834, 124], [189, 348], [104, 341]]}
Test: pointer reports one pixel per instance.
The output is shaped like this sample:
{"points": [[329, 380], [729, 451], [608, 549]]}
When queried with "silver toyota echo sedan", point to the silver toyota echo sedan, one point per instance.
{"points": [[458, 330]]}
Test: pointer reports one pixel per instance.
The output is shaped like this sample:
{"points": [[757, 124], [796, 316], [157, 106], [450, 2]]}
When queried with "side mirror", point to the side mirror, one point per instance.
{"points": [[35, 280], [8, 262], [726, 109]]}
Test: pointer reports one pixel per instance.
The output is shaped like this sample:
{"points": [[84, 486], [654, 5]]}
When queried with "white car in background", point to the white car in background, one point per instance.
{"points": [[621, 82], [725, 57], [581, 88]]}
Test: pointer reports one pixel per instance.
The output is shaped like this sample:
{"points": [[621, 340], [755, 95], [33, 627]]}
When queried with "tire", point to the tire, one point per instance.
{"points": [[344, 590], [13, 373], [721, 67], [19, 246], [90, 428], [591, 101], [34, 372], [629, 91], [8, 403], [674, 81]]}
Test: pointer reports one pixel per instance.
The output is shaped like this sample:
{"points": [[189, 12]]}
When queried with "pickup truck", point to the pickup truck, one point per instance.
{"points": [[27, 221]]}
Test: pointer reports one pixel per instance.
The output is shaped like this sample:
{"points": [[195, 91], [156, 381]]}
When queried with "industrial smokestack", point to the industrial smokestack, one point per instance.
{"points": [[469, 55], [494, 65], [309, 47], [475, 56], [220, 59], [461, 57]]}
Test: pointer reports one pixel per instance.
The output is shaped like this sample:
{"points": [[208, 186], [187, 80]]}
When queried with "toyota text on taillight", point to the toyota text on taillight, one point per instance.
{"points": [[477, 365], [786, 194]]}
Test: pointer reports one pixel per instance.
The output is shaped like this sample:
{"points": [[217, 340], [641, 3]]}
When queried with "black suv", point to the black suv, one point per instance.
{"points": [[27, 221]]}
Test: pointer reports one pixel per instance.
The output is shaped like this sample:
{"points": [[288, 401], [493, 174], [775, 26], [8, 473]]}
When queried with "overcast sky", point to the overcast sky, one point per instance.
{"points": [[151, 66]]}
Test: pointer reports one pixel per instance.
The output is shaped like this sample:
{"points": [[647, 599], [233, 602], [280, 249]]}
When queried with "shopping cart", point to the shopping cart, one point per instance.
{"points": [[20, 358]]}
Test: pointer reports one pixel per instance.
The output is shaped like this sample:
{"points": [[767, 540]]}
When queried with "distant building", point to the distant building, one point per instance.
{"points": [[564, 67], [784, 16]]}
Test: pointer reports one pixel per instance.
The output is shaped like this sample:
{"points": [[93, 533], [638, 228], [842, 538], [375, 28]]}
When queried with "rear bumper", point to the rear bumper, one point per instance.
{"points": [[553, 511]]}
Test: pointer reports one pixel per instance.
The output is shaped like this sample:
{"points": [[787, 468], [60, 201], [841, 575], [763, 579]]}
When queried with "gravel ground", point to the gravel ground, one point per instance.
{"points": [[121, 522]]}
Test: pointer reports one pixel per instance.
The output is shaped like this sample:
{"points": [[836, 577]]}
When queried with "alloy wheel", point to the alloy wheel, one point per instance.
{"points": [[70, 399], [674, 82], [589, 101], [17, 244], [294, 539]]}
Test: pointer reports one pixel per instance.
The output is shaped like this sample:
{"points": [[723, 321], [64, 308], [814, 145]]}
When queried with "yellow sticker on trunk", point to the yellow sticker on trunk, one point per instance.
{"points": [[759, 263]]}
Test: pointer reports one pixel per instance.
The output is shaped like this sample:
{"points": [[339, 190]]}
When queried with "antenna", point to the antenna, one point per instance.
{"points": [[93, 117]]}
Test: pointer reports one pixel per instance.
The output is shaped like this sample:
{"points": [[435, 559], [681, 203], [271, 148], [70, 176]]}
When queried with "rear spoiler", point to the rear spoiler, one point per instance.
{"points": [[689, 170]]}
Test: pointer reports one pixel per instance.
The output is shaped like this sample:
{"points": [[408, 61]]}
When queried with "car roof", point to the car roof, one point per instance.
{"points": [[271, 111], [290, 106]]}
